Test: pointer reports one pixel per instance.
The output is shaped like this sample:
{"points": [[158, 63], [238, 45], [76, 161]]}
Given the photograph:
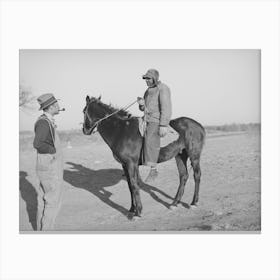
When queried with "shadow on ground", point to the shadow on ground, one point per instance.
{"points": [[96, 182], [29, 195]]}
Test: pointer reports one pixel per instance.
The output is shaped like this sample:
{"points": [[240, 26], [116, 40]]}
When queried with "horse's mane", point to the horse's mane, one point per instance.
{"points": [[122, 114]]}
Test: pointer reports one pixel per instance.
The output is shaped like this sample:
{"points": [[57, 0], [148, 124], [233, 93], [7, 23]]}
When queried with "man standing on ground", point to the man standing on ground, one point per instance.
{"points": [[156, 105], [49, 165]]}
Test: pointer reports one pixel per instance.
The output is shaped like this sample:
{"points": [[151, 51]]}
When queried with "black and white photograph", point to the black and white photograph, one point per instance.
{"points": [[140, 140]]}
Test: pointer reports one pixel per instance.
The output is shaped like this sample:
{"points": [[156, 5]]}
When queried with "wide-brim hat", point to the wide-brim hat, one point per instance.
{"points": [[151, 74], [46, 100]]}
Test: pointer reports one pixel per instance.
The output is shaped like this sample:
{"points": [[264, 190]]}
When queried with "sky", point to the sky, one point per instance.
{"points": [[214, 87]]}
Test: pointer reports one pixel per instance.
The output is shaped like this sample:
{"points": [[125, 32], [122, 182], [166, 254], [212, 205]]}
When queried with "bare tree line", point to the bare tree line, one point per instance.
{"points": [[235, 127], [26, 98]]}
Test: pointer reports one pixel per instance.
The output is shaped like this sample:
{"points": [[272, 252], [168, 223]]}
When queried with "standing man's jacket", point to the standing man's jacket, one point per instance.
{"points": [[158, 104], [44, 136]]}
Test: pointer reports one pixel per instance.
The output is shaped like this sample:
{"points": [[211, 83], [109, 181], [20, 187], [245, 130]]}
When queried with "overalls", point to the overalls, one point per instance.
{"points": [[49, 168]]}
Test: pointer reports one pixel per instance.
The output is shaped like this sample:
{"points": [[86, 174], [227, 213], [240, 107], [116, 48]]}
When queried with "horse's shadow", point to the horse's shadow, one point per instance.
{"points": [[29, 195], [96, 182], [151, 190]]}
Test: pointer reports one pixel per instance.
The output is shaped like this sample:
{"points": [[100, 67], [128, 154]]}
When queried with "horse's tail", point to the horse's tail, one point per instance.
{"points": [[191, 131], [171, 150]]}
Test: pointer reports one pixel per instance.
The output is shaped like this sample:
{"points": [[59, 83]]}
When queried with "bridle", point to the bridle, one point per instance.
{"points": [[92, 127], [95, 125]]}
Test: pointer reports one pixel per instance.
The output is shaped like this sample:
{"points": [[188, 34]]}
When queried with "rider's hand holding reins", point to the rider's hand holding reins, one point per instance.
{"points": [[141, 101]]}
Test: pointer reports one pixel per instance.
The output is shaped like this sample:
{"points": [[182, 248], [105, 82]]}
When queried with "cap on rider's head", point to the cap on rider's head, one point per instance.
{"points": [[151, 74]]}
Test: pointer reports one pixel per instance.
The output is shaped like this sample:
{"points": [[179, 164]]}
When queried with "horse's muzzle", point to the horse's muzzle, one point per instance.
{"points": [[88, 131]]}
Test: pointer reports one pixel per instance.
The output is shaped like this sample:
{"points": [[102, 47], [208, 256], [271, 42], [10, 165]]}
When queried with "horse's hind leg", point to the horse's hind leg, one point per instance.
{"points": [[195, 161], [181, 160]]}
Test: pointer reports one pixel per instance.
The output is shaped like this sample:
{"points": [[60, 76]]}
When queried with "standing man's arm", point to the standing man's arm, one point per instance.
{"points": [[43, 141]]}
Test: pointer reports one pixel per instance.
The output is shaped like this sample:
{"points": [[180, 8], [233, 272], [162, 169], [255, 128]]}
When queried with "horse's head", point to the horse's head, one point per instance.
{"points": [[91, 114]]}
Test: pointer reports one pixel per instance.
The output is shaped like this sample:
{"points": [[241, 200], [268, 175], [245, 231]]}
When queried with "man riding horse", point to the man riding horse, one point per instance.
{"points": [[121, 133], [156, 105]]}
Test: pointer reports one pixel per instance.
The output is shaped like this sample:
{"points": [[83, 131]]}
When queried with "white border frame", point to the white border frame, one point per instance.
{"points": [[176, 24]]}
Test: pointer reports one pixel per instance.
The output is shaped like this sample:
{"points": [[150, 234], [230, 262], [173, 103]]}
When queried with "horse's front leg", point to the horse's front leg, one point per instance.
{"points": [[133, 184], [133, 206]]}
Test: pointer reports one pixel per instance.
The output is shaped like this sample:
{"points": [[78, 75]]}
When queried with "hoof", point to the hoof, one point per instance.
{"points": [[136, 218], [130, 215], [173, 207], [194, 206]]}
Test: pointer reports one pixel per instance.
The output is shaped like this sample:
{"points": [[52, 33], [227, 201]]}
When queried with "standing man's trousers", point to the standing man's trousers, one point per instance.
{"points": [[50, 173]]}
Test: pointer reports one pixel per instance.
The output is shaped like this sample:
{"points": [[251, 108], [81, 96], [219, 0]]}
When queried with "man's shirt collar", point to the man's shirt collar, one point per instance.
{"points": [[50, 117]]}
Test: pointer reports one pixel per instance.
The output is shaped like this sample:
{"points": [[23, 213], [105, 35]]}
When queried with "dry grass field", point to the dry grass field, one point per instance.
{"points": [[96, 196]]}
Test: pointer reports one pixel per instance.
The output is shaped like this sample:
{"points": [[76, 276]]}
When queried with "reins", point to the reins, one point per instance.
{"points": [[108, 116]]}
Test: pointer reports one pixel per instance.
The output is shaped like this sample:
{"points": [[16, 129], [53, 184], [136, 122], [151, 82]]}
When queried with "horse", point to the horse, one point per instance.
{"points": [[120, 131]]}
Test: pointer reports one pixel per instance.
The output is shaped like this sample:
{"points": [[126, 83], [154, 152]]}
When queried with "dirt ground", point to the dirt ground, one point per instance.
{"points": [[96, 196]]}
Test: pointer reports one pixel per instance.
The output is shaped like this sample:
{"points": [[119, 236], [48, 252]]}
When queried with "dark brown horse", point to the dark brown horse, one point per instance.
{"points": [[120, 131]]}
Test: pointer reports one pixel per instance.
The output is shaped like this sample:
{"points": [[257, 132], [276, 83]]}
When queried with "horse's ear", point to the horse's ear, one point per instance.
{"points": [[87, 99], [99, 98]]}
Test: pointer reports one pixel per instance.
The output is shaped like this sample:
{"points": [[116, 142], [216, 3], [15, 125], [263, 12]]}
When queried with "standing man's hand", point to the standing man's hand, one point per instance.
{"points": [[163, 131]]}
